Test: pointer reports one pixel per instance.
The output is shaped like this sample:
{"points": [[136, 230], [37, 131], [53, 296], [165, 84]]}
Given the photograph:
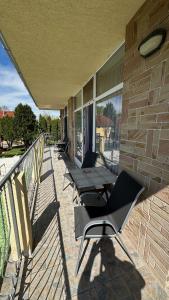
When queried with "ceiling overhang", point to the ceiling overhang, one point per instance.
{"points": [[58, 45]]}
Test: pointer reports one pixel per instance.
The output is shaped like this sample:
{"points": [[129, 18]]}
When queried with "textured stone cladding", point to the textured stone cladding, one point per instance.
{"points": [[71, 127], [144, 150]]}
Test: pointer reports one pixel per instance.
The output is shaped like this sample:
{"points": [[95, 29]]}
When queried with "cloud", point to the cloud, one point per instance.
{"points": [[13, 91], [9, 79]]}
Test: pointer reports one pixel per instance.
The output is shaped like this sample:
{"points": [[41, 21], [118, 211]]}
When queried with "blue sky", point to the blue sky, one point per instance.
{"points": [[12, 89]]}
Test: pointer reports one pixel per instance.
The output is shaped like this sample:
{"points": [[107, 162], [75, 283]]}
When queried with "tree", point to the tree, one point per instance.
{"points": [[100, 110], [25, 124], [42, 123], [55, 129], [7, 130], [48, 120], [109, 111]]}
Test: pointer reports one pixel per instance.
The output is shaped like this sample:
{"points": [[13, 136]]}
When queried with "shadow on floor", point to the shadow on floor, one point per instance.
{"points": [[48, 158], [45, 274], [46, 175], [42, 223], [115, 279]]}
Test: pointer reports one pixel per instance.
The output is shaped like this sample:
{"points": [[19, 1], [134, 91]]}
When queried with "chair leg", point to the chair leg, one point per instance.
{"points": [[79, 256], [74, 187], [63, 183], [120, 241]]}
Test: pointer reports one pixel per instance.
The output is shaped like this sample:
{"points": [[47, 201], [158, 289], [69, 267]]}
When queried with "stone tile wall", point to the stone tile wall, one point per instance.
{"points": [[71, 126], [145, 136], [62, 123]]}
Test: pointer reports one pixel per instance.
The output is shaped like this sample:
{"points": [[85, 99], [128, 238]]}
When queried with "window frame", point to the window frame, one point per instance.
{"points": [[94, 101]]}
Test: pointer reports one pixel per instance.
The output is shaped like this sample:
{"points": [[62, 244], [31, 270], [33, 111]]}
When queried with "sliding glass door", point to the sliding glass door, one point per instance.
{"points": [[78, 135], [87, 128], [108, 116]]}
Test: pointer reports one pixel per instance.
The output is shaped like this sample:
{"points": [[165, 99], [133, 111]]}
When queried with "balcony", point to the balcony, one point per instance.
{"points": [[105, 272], [111, 100]]}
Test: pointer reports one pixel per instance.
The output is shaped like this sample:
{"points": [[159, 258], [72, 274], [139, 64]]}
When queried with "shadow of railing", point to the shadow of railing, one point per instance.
{"points": [[46, 275]]}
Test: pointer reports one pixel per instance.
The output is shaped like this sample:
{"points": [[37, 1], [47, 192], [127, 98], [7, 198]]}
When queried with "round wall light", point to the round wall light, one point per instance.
{"points": [[152, 42]]}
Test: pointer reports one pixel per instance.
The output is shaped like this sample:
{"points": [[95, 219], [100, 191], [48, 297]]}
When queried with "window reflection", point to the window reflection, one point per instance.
{"points": [[108, 116], [78, 100], [111, 73], [78, 135]]}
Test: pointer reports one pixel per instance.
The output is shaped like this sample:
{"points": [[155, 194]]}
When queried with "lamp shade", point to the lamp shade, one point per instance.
{"points": [[152, 42]]}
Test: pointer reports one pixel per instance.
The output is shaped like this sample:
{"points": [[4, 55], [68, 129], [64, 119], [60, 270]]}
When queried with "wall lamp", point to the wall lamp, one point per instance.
{"points": [[152, 42]]}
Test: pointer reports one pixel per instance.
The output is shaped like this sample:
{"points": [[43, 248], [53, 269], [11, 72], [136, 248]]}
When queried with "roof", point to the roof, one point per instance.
{"points": [[58, 45], [103, 121], [5, 113]]}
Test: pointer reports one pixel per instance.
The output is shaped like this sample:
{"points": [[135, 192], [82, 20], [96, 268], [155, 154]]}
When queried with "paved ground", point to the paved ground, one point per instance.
{"points": [[105, 273]]}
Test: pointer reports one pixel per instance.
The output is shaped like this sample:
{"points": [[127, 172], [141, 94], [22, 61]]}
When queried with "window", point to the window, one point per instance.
{"points": [[78, 100], [110, 74], [108, 116], [78, 135], [65, 111], [88, 91]]}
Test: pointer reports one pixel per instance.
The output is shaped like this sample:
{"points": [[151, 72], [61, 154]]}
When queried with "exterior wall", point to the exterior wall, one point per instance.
{"points": [[145, 136], [71, 127], [62, 123]]}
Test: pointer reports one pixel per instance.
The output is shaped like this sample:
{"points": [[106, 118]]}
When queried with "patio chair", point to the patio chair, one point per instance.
{"points": [[107, 221], [59, 144], [61, 150], [88, 162]]}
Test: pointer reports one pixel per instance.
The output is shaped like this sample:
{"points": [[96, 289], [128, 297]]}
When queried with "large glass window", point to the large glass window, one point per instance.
{"points": [[78, 100], [108, 116], [78, 135], [88, 91], [110, 74]]}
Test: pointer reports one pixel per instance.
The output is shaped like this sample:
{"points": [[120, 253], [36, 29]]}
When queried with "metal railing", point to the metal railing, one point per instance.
{"points": [[17, 191]]}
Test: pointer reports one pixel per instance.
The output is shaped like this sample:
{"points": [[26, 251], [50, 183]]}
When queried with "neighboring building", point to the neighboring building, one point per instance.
{"points": [[5, 113]]}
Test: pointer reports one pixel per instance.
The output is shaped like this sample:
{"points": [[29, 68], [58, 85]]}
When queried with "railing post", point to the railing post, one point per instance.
{"points": [[22, 213], [36, 165], [42, 149]]}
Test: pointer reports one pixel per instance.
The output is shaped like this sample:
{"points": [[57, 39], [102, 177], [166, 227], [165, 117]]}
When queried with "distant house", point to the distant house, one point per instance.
{"points": [[5, 113]]}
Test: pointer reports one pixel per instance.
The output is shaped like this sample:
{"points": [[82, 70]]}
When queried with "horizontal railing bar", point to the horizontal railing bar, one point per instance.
{"points": [[18, 163]]}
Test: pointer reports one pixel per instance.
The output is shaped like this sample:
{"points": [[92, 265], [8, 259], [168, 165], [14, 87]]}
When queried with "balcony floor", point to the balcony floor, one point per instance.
{"points": [[105, 273]]}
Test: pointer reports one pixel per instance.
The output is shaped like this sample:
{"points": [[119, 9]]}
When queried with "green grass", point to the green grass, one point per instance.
{"points": [[12, 152]]}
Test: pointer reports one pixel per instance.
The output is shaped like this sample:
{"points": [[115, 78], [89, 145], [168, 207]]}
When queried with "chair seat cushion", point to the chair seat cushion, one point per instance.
{"points": [[84, 214]]}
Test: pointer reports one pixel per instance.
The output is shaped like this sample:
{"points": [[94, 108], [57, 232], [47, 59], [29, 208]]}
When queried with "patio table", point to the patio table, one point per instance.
{"points": [[92, 178]]}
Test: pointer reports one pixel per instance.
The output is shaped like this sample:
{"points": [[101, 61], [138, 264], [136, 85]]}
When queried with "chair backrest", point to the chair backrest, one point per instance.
{"points": [[89, 159], [123, 198]]}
